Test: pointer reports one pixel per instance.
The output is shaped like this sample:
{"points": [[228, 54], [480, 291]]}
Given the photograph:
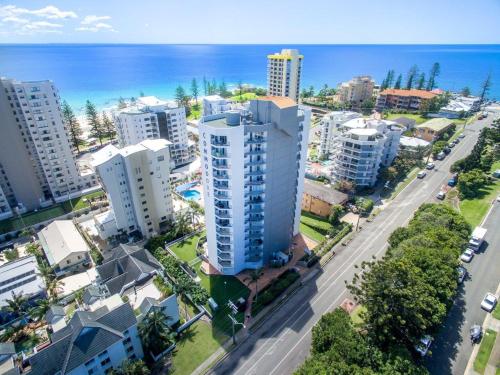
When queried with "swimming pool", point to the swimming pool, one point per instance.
{"points": [[191, 195]]}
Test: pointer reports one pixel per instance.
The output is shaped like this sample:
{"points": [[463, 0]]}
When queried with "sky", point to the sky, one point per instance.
{"points": [[251, 21]]}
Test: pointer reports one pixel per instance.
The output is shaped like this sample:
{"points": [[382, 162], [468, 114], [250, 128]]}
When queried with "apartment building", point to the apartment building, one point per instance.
{"points": [[152, 118], [215, 104], [253, 164], [37, 164], [283, 74], [413, 100], [136, 181], [330, 126], [92, 342], [5, 209], [356, 91], [364, 146]]}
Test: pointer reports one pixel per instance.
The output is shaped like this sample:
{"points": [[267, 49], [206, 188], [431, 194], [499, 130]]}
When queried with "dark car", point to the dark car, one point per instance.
{"points": [[446, 150]]}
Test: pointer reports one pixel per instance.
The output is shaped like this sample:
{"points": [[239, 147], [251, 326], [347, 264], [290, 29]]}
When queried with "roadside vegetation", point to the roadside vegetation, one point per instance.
{"points": [[487, 343], [405, 295]]}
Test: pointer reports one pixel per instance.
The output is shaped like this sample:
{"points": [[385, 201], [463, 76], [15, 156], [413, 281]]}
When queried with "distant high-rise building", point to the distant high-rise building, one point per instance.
{"points": [[356, 91], [362, 147], [136, 180], [37, 164], [283, 74], [253, 164], [151, 118]]}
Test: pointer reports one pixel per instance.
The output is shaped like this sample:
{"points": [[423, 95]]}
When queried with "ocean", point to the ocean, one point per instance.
{"points": [[104, 72]]}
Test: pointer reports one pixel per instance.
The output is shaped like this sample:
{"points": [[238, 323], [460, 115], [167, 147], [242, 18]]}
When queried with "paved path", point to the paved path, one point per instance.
{"points": [[282, 343]]}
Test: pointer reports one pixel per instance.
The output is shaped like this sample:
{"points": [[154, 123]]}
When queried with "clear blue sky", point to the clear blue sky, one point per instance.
{"points": [[250, 21]]}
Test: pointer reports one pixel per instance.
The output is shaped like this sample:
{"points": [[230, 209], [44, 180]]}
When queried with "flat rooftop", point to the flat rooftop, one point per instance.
{"points": [[436, 124]]}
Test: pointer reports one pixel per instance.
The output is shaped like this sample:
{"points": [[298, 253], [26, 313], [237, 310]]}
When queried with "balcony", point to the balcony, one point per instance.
{"points": [[255, 152], [254, 182], [250, 162], [255, 140], [221, 165], [223, 214], [221, 153], [221, 194], [224, 240], [223, 231]]}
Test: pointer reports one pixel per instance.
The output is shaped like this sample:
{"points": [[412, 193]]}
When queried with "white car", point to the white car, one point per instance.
{"points": [[467, 255], [489, 302], [423, 346], [430, 166], [421, 174], [461, 135], [498, 198], [441, 195]]}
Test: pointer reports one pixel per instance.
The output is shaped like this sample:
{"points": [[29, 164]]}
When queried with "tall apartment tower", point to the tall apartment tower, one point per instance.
{"points": [[356, 91], [283, 74], [37, 164], [136, 180], [151, 118], [253, 164]]}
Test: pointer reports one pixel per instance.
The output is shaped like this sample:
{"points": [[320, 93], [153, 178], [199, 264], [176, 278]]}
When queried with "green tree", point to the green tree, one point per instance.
{"points": [[411, 77], [136, 367], [240, 90], [121, 103], [108, 126], [465, 91], [194, 90], [223, 90], [205, 86], [469, 183], [17, 304], [434, 73], [54, 287], [34, 249], [254, 278], [180, 96], [155, 333], [421, 81], [73, 126], [96, 129], [485, 87], [182, 288], [397, 85], [437, 147], [38, 312], [335, 213], [388, 80]]}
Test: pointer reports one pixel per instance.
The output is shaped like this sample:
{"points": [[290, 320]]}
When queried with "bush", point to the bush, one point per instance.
{"points": [[276, 288], [365, 205]]}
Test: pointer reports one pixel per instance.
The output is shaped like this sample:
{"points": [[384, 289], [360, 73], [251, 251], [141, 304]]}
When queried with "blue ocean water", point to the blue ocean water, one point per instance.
{"points": [[103, 72]]}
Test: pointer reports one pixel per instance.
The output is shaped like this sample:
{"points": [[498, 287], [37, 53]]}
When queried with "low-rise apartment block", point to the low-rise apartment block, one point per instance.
{"points": [[283, 74], [433, 129], [356, 91], [136, 181], [413, 100], [362, 148], [318, 199], [330, 124], [151, 118]]}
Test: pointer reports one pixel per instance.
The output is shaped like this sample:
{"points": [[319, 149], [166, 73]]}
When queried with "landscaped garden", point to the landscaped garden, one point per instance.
{"points": [[186, 249], [314, 227], [487, 343]]}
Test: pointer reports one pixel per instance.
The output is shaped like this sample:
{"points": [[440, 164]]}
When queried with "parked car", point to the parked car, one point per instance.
{"points": [[421, 174], [453, 180], [446, 150], [462, 274], [430, 166], [456, 141], [489, 302], [467, 255], [451, 145], [441, 195], [461, 136], [424, 345], [476, 332], [440, 156], [477, 238]]}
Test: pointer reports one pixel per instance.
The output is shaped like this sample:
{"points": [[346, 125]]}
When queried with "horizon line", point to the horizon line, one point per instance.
{"points": [[251, 44]]}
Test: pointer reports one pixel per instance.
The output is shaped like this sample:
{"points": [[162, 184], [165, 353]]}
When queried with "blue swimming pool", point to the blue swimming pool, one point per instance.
{"points": [[191, 195]]}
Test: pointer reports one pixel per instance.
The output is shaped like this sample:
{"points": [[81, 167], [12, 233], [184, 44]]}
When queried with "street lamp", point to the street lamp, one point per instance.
{"points": [[234, 322]]}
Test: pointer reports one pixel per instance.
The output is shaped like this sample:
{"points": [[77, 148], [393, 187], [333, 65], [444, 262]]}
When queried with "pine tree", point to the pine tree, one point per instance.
{"points": [[74, 128], [412, 76], [389, 78], [180, 95], [223, 89], [194, 90], [397, 85], [435, 71], [205, 85], [213, 87], [421, 81], [96, 129], [485, 87], [108, 126]]}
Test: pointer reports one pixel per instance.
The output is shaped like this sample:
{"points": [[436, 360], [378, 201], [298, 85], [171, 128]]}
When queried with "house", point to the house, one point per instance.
{"points": [[8, 365], [126, 267], [406, 122], [460, 106], [21, 276], [168, 306], [64, 247], [433, 129], [92, 342], [318, 199], [413, 99], [412, 144], [55, 317]]}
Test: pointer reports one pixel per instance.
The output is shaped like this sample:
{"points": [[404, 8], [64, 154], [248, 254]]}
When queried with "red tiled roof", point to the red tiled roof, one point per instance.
{"points": [[413, 92]]}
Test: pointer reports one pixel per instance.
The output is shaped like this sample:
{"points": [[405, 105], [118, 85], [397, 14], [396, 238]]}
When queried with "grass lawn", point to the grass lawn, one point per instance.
{"points": [[186, 249], [314, 227], [244, 97], [195, 112], [399, 187], [418, 118], [496, 312], [484, 351], [195, 346], [356, 315]]}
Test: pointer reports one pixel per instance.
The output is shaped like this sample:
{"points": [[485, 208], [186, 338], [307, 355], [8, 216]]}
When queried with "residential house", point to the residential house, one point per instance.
{"points": [[406, 122], [460, 106], [8, 356], [431, 130], [56, 317], [318, 199]]}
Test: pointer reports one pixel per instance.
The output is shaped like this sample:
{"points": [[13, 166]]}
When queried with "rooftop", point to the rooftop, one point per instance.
{"points": [[324, 193], [108, 152], [280, 101], [436, 124], [412, 142], [413, 92]]}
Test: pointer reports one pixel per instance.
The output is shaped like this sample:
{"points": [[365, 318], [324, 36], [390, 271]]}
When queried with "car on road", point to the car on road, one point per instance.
{"points": [[467, 255], [462, 274], [446, 150], [441, 195], [498, 198], [489, 302], [461, 136], [440, 156], [424, 345], [456, 141], [430, 166], [421, 174], [453, 180], [476, 332], [451, 145]]}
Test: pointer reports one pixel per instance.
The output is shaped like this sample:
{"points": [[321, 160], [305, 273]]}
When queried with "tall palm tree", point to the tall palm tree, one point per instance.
{"points": [[54, 287], [38, 312], [17, 304], [155, 332], [46, 271], [253, 278]]}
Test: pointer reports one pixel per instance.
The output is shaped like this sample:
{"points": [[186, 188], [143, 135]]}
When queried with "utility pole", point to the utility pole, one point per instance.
{"points": [[234, 322]]}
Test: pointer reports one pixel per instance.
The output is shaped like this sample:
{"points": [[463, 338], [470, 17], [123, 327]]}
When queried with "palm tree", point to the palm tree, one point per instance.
{"points": [[155, 332], [181, 225], [38, 312], [17, 304], [137, 367], [46, 271], [33, 249], [54, 287], [254, 277], [181, 289]]}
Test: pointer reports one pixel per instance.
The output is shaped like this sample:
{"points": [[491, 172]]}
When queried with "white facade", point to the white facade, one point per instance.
{"points": [[363, 146], [215, 104], [253, 166], [36, 155], [330, 128], [151, 118], [5, 210], [136, 180], [21, 276], [283, 74], [356, 91], [460, 106]]}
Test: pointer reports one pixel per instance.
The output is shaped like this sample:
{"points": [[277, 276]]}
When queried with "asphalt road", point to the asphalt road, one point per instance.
{"points": [[282, 342], [452, 347]]}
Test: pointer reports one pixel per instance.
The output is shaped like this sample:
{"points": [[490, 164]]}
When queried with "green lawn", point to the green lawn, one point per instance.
{"points": [[485, 349], [186, 249], [356, 315], [314, 227], [195, 346], [496, 312], [32, 218], [195, 112], [418, 118], [244, 98]]}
